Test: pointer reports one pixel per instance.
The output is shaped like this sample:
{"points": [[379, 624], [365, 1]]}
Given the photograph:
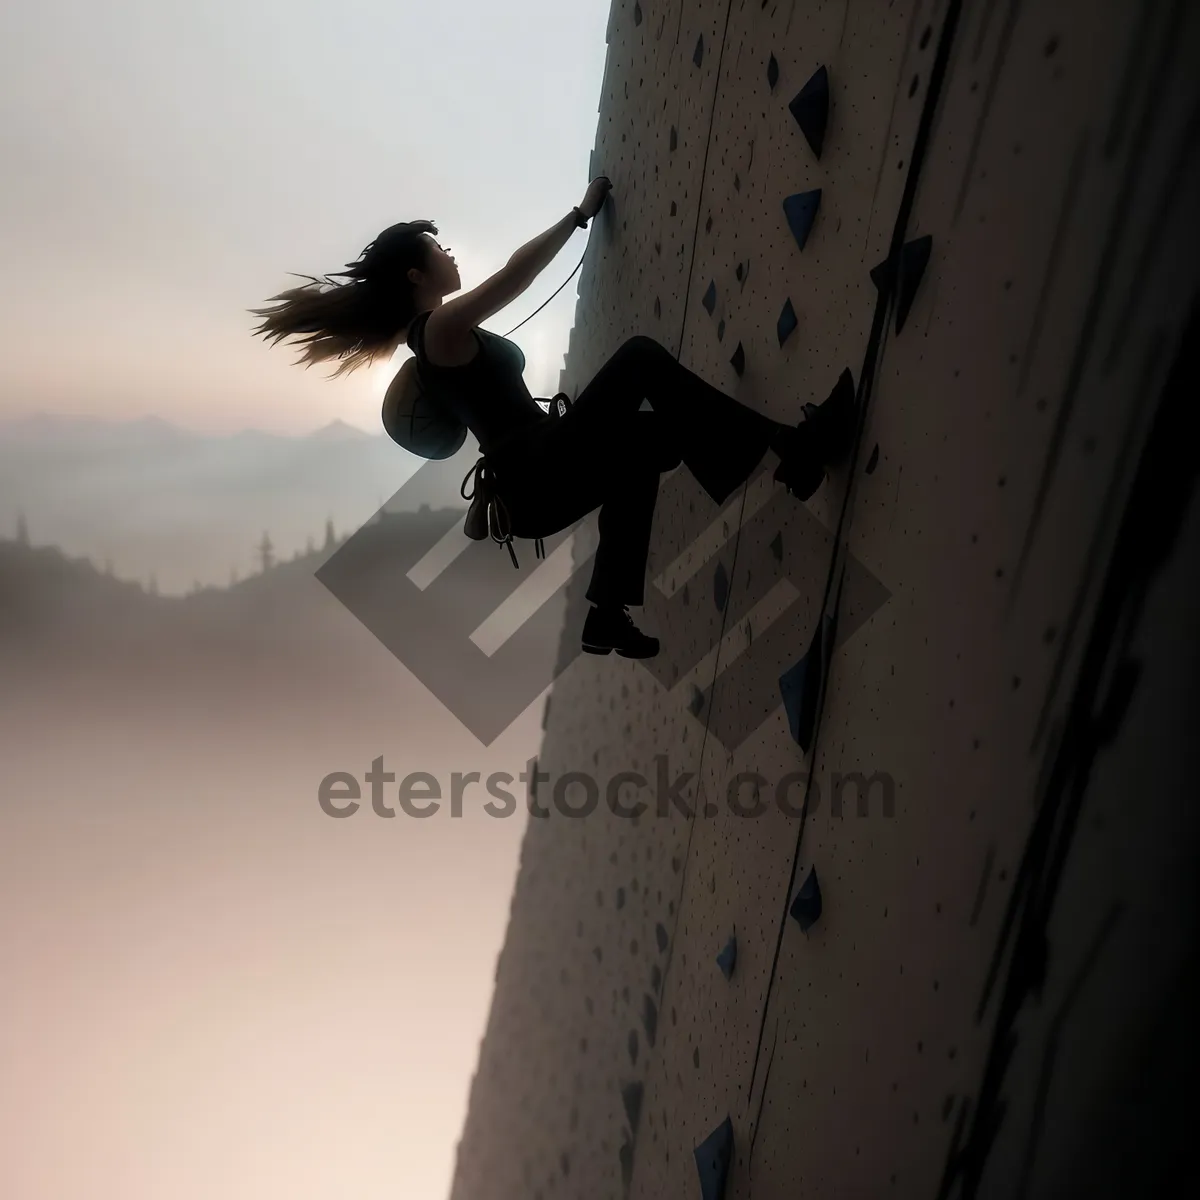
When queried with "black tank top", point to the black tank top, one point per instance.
{"points": [[488, 394]]}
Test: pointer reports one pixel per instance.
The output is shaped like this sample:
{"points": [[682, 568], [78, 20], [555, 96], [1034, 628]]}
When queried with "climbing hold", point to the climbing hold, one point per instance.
{"points": [[713, 1157], [637, 14], [696, 704], [673, 209], [738, 361], [737, 183], [674, 138], [698, 57], [708, 225], [738, 272], [631, 1097], [811, 110], [801, 210], [787, 322], [914, 258], [727, 959], [720, 587], [777, 547], [772, 73], [721, 329], [806, 907], [881, 274], [649, 1018], [657, 307], [710, 298], [626, 1156], [873, 461], [801, 685]]}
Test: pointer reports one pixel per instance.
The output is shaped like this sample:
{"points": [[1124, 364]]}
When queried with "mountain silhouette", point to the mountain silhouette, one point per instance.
{"points": [[154, 498]]}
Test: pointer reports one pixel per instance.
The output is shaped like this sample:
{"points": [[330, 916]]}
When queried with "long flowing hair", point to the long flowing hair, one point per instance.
{"points": [[357, 321]]}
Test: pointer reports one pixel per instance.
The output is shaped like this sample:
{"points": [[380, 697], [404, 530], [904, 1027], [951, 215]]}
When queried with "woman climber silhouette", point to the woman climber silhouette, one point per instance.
{"points": [[539, 473]]}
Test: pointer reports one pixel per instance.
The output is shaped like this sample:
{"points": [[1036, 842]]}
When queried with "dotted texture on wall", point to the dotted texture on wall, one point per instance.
{"points": [[800, 974]]}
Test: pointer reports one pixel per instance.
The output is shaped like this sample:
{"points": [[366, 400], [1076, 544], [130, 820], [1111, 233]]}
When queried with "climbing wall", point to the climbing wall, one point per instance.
{"points": [[877, 932]]}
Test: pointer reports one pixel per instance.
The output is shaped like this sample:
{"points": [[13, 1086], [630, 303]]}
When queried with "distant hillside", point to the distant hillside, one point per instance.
{"points": [[63, 613], [158, 500]]}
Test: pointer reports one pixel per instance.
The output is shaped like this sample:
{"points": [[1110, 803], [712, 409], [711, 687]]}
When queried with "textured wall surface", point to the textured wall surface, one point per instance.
{"points": [[994, 598]]}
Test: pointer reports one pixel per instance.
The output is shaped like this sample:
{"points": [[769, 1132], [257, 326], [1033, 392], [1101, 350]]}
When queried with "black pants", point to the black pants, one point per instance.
{"points": [[604, 453]]}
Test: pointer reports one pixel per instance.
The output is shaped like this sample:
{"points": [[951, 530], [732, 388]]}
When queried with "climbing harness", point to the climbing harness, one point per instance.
{"points": [[487, 514]]}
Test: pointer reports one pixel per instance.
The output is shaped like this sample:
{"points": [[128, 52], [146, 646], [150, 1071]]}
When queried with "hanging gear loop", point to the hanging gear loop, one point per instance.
{"points": [[488, 515]]}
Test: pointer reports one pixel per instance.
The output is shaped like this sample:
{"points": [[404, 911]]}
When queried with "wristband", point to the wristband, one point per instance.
{"points": [[580, 219]]}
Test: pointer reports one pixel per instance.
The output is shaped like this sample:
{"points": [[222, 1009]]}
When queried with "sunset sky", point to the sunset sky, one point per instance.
{"points": [[166, 165]]}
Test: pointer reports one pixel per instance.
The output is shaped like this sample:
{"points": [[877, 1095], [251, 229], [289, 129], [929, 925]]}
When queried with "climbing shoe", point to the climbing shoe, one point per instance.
{"points": [[823, 438], [832, 423], [606, 629], [800, 468]]}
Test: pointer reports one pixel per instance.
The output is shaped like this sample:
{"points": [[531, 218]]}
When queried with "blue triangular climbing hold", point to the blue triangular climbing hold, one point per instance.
{"points": [[772, 73], [800, 686], [801, 211], [806, 907], [713, 1157], [631, 1097], [698, 57], [786, 324], [738, 361], [625, 1154], [811, 110], [710, 298], [881, 274], [796, 685], [914, 258], [727, 959]]}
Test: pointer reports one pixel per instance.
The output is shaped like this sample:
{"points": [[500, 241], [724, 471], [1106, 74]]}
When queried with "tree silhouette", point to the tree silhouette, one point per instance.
{"points": [[266, 553], [330, 536]]}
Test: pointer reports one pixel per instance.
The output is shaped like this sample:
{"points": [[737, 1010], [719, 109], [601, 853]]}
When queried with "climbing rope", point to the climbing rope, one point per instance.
{"points": [[540, 307]]}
